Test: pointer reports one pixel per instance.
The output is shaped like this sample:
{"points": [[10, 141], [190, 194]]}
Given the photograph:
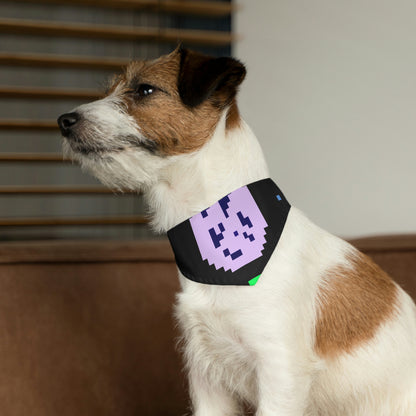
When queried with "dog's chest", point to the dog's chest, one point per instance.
{"points": [[214, 343]]}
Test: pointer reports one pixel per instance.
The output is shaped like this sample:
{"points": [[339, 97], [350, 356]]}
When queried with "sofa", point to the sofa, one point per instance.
{"points": [[86, 327]]}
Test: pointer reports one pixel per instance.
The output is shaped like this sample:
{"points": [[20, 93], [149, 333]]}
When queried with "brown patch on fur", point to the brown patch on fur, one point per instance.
{"points": [[162, 117], [113, 83], [354, 302], [233, 116]]}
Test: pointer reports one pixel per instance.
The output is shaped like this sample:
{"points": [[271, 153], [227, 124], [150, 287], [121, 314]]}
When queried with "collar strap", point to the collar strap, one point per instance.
{"points": [[231, 242]]}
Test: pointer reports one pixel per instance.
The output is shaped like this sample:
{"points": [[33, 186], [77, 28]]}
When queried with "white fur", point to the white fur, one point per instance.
{"points": [[257, 343], [107, 122]]}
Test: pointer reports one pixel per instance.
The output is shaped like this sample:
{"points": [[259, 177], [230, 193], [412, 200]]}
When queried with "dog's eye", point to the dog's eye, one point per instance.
{"points": [[143, 90]]}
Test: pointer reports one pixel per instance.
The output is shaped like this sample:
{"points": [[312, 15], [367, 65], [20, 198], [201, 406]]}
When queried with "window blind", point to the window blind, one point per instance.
{"points": [[55, 55]]}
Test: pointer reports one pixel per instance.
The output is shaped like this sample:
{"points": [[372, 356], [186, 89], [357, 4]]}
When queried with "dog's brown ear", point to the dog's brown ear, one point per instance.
{"points": [[202, 77]]}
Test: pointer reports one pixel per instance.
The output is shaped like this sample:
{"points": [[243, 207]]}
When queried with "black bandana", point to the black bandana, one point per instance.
{"points": [[231, 242]]}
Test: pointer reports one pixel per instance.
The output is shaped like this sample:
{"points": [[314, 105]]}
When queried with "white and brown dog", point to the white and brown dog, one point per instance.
{"points": [[325, 331]]}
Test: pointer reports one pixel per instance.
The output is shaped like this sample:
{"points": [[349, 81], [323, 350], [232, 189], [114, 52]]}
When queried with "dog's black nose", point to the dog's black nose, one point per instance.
{"points": [[67, 121]]}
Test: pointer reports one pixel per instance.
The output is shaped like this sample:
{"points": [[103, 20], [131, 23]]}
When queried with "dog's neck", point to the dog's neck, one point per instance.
{"points": [[232, 158]]}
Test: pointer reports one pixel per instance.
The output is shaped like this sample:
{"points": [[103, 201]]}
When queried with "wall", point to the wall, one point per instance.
{"points": [[331, 95]]}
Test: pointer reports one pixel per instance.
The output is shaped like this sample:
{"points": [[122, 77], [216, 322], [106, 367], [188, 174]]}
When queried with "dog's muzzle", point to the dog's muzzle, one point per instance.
{"points": [[67, 123]]}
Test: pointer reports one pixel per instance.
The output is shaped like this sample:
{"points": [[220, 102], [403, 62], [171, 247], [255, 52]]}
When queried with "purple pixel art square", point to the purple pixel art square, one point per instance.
{"points": [[230, 233]]}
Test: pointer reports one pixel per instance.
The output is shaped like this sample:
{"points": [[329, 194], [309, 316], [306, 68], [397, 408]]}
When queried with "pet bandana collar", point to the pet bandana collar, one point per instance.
{"points": [[231, 242]]}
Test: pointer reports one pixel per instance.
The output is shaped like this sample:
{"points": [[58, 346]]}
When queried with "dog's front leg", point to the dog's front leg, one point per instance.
{"points": [[209, 399], [283, 386]]}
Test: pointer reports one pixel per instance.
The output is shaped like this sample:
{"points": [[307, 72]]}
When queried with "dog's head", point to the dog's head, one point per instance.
{"points": [[152, 112]]}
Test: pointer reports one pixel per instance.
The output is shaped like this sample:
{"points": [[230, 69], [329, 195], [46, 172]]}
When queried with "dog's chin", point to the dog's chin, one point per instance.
{"points": [[120, 169], [74, 149], [93, 161], [68, 151]]}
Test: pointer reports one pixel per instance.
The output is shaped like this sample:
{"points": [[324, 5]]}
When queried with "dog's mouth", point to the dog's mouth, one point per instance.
{"points": [[78, 145]]}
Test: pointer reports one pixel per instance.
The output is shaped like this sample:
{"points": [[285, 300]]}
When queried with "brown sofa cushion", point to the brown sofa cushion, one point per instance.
{"points": [[87, 329]]}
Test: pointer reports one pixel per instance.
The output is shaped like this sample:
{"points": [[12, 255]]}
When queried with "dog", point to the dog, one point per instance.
{"points": [[324, 331]]}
